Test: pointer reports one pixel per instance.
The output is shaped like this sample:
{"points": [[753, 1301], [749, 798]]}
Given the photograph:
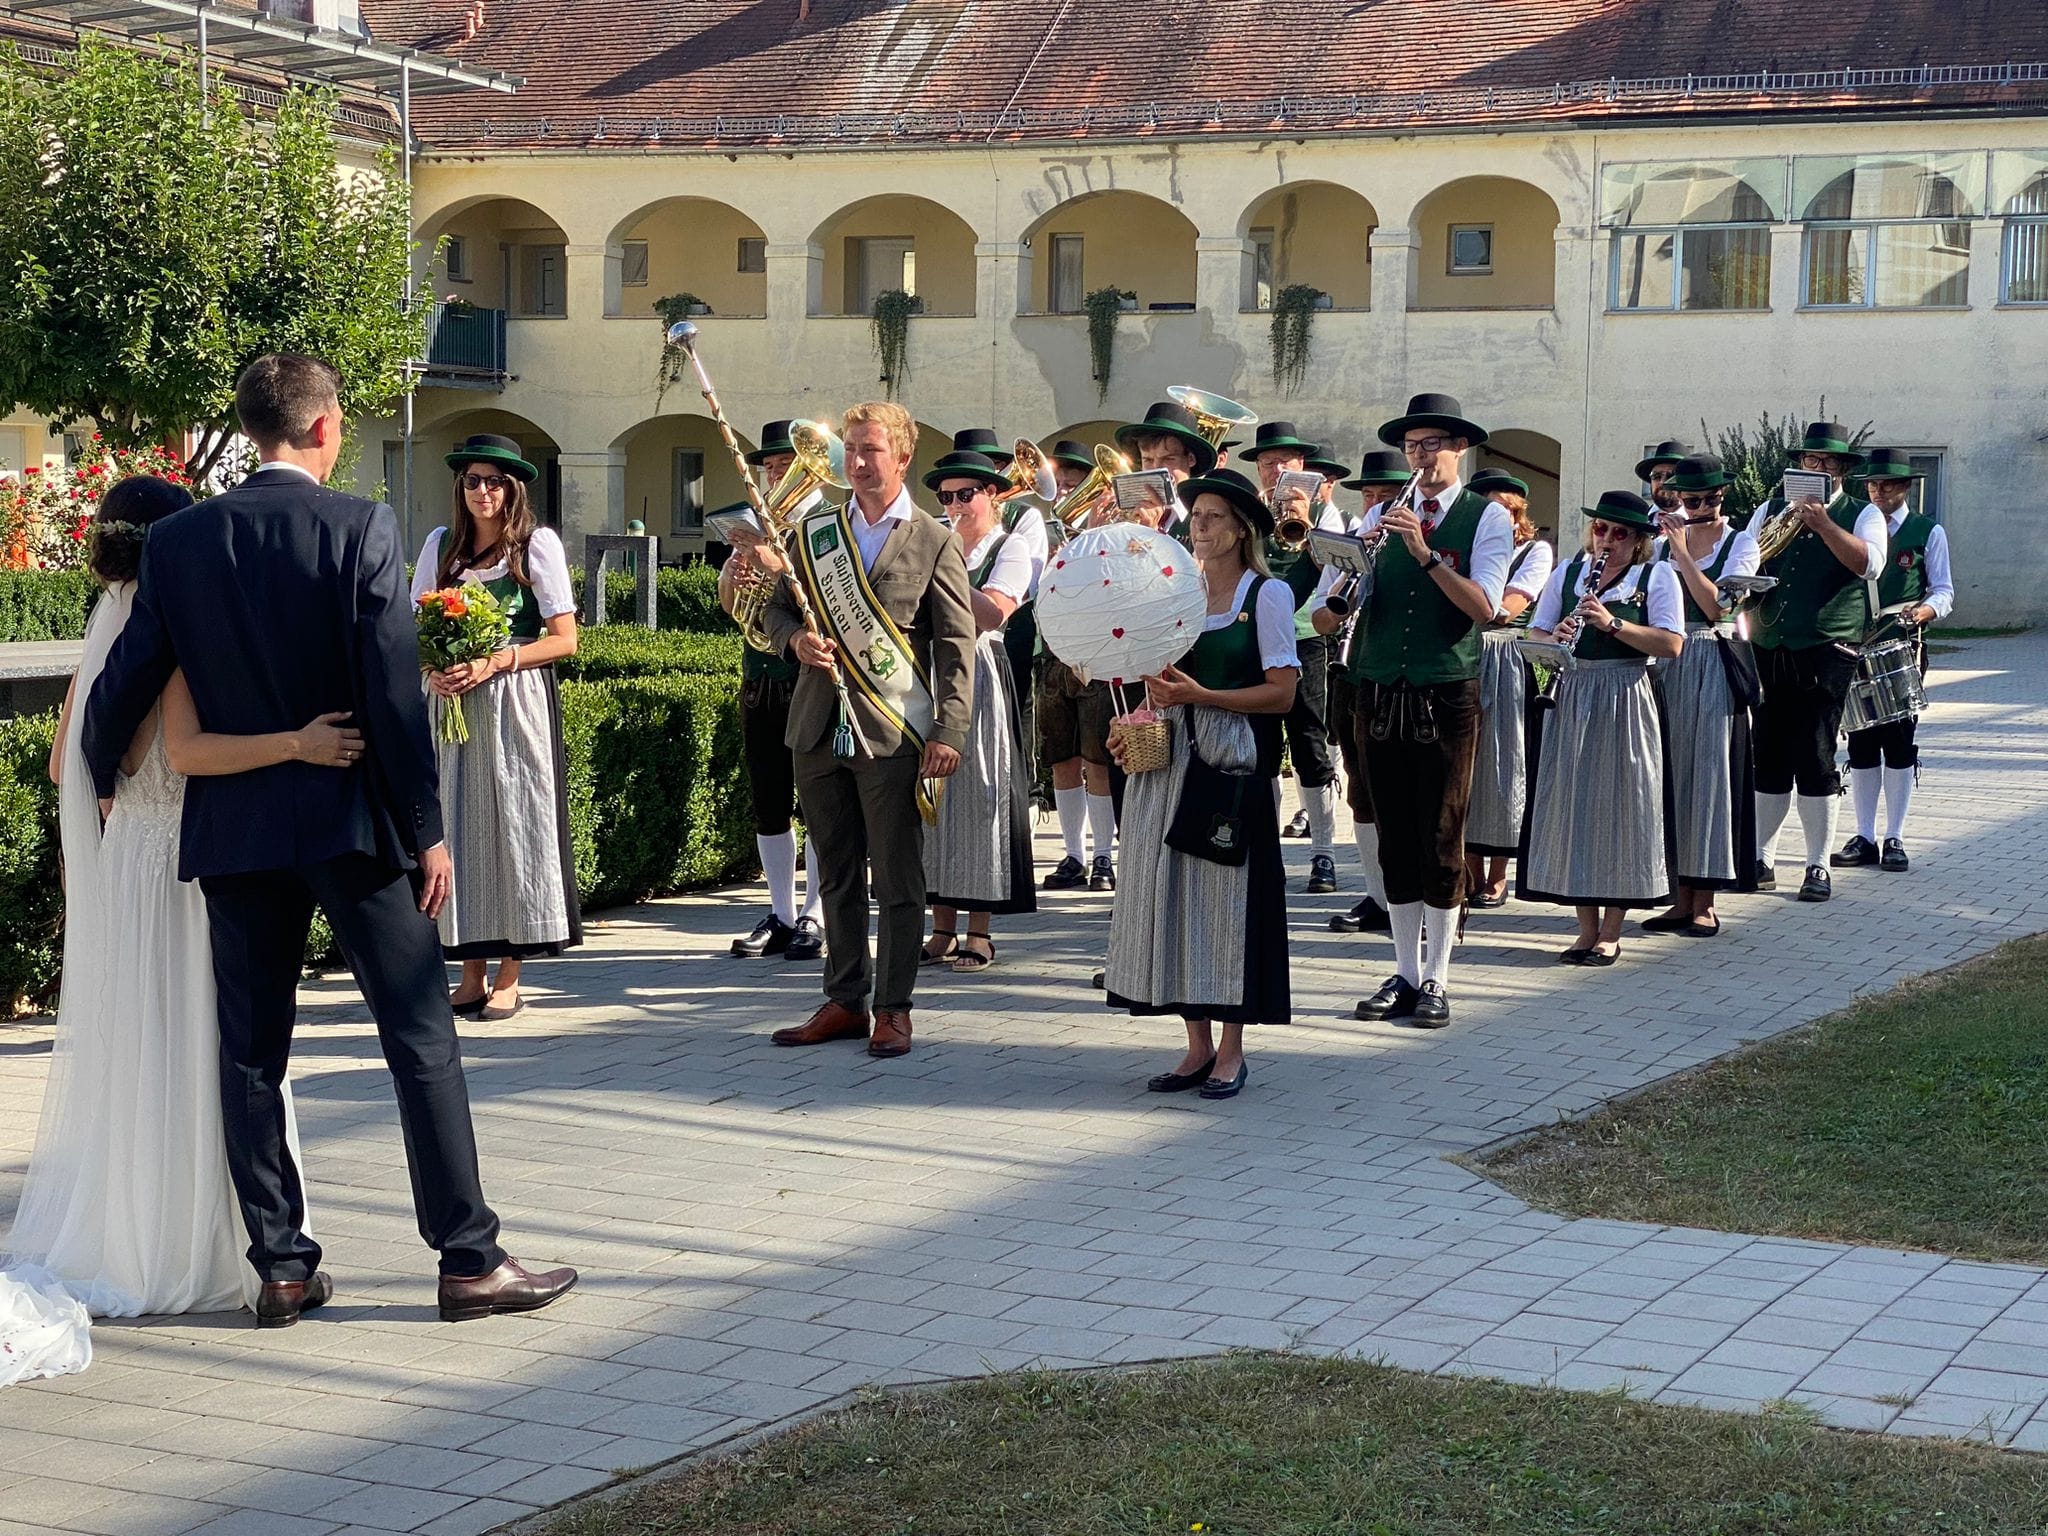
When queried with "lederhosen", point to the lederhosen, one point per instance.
{"points": [[1904, 581], [1416, 667], [1306, 722], [1493, 821], [1708, 751], [767, 683], [1808, 634]]}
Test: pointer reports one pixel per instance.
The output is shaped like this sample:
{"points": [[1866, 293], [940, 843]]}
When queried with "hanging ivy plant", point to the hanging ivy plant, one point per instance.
{"points": [[673, 364], [1294, 309], [1102, 307], [891, 330]]}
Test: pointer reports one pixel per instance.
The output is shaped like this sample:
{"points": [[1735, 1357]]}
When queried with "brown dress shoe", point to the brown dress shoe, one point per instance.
{"points": [[892, 1033], [280, 1302], [834, 1021], [511, 1287]]}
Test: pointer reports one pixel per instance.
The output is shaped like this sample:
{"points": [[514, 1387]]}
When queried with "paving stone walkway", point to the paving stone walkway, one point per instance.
{"points": [[761, 1229]]}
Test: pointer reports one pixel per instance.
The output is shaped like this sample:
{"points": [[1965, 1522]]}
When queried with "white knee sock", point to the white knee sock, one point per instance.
{"points": [[1443, 936], [1898, 794], [778, 864], [1771, 811], [1072, 804], [1817, 817], [1102, 822], [814, 887], [1321, 805], [1864, 783], [1407, 919], [1367, 835]]}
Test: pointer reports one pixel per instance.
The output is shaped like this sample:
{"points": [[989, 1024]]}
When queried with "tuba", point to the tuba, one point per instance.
{"points": [[1216, 416], [1086, 501], [820, 463]]}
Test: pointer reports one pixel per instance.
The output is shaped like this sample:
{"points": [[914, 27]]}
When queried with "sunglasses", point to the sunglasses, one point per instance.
{"points": [[1425, 446], [485, 482], [947, 498], [1614, 531], [1695, 499]]}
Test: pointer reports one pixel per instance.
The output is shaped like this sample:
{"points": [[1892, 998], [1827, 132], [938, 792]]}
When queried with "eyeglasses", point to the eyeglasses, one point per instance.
{"points": [[1613, 531], [1661, 473], [1424, 447], [947, 498], [484, 482], [1690, 499]]}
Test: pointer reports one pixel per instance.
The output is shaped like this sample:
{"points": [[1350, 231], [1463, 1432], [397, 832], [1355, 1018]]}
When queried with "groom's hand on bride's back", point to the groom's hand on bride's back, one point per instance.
{"points": [[437, 878]]}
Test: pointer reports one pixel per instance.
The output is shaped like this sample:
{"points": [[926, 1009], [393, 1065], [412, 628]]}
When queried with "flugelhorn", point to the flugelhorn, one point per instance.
{"points": [[1080, 506], [1216, 416], [1030, 474]]}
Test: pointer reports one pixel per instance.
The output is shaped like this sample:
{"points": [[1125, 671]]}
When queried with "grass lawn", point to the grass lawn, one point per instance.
{"points": [[1914, 1119], [1287, 1446]]}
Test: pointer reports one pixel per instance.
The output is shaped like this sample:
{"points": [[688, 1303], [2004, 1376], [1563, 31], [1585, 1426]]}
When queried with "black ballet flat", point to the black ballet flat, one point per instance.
{"points": [[1226, 1088], [1487, 903], [1181, 1082], [1573, 956], [1594, 957], [1670, 922], [1693, 930], [471, 1009]]}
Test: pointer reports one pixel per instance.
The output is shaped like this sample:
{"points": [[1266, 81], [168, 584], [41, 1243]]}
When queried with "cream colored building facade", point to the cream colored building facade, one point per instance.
{"points": [[1895, 267]]}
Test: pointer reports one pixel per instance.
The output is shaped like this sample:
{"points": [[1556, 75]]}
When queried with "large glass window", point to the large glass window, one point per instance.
{"points": [[1888, 232], [2020, 190], [1691, 235]]}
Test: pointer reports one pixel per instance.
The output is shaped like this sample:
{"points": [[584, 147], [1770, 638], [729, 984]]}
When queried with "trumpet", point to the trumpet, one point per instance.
{"points": [[1088, 500], [1546, 696], [1216, 416], [820, 463], [1291, 532]]}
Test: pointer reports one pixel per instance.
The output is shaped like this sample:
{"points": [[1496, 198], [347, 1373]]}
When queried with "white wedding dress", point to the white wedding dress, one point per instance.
{"points": [[127, 1208]]}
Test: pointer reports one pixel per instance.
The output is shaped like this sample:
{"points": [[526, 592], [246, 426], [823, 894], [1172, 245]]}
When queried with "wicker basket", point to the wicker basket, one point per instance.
{"points": [[1148, 744]]}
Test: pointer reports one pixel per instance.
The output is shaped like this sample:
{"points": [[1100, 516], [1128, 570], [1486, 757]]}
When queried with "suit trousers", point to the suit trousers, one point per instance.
{"points": [[259, 926], [861, 816]]}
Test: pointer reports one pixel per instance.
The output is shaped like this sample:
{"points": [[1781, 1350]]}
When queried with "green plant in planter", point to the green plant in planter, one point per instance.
{"points": [[1102, 307], [669, 371], [890, 327], [1294, 309]]}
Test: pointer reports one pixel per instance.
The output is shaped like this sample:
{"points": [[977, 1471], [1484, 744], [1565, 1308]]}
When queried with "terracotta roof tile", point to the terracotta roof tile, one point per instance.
{"points": [[746, 72]]}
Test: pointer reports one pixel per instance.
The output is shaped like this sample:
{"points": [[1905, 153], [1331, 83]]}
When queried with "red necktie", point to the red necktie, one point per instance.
{"points": [[1430, 509]]}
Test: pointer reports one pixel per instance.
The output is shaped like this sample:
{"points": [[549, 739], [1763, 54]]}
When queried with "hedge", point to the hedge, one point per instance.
{"points": [[31, 889], [685, 598], [620, 650]]}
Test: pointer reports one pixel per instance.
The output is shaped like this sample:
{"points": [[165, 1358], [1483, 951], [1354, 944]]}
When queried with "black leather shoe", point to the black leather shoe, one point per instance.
{"points": [[1894, 859], [771, 936], [1067, 875], [1226, 1087], [1367, 917], [280, 1302], [1322, 874], [1394, 1000], [1180, 1082], [1102, 875], [1817, 886], [1097, 982], [1855, 853], [1670, 922], [1298, 827], [1432, 1007], [1766, 877], [806, 940]]}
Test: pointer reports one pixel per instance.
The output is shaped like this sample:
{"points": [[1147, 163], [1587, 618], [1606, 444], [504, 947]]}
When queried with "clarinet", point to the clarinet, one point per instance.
{"points": [[1546, 697]]}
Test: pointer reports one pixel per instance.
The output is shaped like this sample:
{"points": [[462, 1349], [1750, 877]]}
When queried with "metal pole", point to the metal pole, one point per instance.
{"points": [[411, 372], [205, 97]]}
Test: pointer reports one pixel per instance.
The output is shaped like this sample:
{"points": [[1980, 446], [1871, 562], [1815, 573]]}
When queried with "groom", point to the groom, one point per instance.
{"points": [[282, 600]]}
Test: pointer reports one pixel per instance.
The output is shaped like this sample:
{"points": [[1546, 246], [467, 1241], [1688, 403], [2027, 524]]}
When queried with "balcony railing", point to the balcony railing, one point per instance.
{"points": [[466, 346]]}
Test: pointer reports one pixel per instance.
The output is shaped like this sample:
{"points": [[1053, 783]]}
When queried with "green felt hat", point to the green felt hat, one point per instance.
{"points": [[1889, 464], [1068, 451], [1698, 472], [1278, 437], [1625, 508], [1827, 437], [1330, 469], [1382, 466], [774, 440], [1235, 489], [1442, 412], [963, 464], [1175, 420], [1670, 451], [484, 448], [1499, 480]]}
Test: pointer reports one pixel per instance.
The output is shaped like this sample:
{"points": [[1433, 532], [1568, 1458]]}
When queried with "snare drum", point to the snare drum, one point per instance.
{"points": [[1887, 686]]}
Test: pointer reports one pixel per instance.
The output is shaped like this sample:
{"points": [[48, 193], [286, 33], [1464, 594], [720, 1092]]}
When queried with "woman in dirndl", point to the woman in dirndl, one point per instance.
{"points": [[1191, 935], [1706, 723], [1493, 823], [1594, 834], [504, 799], [977, 856]]}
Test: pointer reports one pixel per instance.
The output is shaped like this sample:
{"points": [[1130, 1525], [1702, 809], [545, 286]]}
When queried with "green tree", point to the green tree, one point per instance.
{"points": [[1756, 464], [155, 241]]}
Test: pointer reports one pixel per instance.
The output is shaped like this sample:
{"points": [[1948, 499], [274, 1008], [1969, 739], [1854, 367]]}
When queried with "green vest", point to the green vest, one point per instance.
{"points": [[1712, 571], [1230, 658], [1817, 599], [1905, 571], [519, 607], [1410, 631], [1598, 644]]}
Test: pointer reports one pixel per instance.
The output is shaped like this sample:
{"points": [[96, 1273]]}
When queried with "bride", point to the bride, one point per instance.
{"points": [[127, 1207]]}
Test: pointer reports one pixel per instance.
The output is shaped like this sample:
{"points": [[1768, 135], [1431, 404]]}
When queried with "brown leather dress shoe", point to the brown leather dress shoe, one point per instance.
{"points": [[280, 1302], [892, 1033], [834, 1021], [511, 1287]]}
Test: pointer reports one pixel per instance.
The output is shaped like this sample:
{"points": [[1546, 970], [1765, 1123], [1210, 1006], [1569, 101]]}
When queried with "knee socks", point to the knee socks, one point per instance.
{"points": [[1407, 923], [778, 865], [1102, 822], [1771, 811], [1321, 805], [1072, 805], [1367, 835], [1864, 784], [1898, 794], [1817, 819], [1443, 935]]}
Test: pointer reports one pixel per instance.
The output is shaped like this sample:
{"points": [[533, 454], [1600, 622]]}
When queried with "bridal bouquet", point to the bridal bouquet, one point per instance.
{"points": [[459, 624]]}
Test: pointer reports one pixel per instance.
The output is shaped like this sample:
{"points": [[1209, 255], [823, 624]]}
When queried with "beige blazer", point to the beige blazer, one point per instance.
{"points": [[921, 579]]}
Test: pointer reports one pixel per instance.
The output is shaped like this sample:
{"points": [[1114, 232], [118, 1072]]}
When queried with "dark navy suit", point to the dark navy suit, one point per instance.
{"points": [[282, 600]]}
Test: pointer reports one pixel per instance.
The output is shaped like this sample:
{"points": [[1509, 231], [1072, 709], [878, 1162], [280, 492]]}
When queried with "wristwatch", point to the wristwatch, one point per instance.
{"points": [[1435, 560], [1614, 624]]}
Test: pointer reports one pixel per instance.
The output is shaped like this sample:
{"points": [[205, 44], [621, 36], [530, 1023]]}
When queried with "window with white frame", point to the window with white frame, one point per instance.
{"points": [[2023, 264], [1925, 496], [1471, 250], [455, 255], [686, 514], [633, 263], [1262, 269], [1691, 236], [1887, 232], [1064, 280]]}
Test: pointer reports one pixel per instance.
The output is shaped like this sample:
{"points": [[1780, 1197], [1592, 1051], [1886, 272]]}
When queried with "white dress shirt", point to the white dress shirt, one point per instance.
{"points": [[1870, 528], [1666, 606], [1493, 544], [1941, 585], [297, 469], [1010, 576], [1535, 570], [870, 537]]}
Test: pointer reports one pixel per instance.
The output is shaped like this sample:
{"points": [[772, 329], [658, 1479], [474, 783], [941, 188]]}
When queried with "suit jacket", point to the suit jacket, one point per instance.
{"points": [[281, 600], [921, 579]]}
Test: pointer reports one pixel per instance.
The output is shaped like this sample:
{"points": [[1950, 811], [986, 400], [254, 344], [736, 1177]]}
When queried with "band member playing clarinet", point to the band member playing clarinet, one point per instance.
{"points": [[1594, 837], [1437, 578], [1918, 587], [1807, 633], [888, 588]]}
